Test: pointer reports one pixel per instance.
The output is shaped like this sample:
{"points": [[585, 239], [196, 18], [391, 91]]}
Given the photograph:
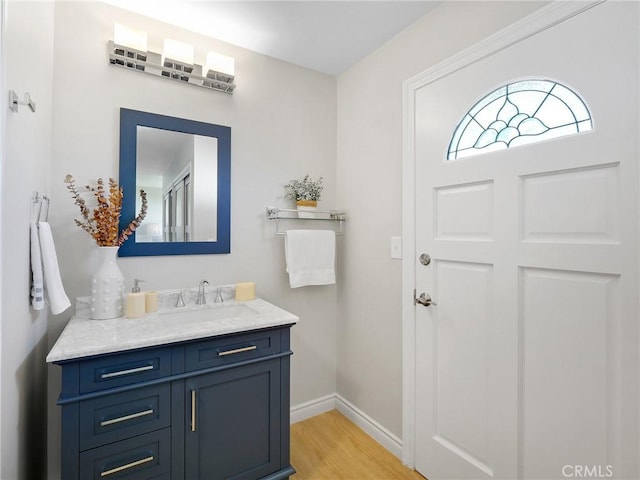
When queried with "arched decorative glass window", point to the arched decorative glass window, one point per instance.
{"points": [[519, 113]]}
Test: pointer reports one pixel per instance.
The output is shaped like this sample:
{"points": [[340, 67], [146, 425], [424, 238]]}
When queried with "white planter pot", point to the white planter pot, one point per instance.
{"points": [[306, 208]]}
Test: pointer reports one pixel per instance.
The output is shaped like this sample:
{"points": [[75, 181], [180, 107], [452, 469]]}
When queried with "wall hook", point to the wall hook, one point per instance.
{"points": [[14, 101]]}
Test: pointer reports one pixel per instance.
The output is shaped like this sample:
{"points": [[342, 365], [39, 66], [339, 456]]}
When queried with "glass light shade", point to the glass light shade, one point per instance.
{"points": [[220, 63], [178, 51], [129, 37]]}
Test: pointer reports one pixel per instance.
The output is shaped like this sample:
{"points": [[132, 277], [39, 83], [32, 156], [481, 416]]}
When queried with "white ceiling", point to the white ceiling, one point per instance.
{"points": [[327, 36]]}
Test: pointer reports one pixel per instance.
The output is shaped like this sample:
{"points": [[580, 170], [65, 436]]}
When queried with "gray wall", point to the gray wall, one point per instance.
{"points": [[26, 156]]}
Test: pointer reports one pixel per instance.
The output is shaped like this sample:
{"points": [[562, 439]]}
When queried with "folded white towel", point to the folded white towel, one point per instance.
{"points": [[310, 256], [58, 300], [37, 281]]}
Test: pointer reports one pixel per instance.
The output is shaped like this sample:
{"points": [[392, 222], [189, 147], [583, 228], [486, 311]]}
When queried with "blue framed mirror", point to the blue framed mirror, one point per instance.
{"points": [[184, 166]]}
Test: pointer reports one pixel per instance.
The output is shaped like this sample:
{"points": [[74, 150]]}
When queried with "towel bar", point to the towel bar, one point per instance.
{"points": [[336, 216]]}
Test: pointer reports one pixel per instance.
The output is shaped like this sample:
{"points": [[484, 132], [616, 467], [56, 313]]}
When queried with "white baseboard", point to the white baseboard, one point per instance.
{"points": [[380, 434], [309, 409]]}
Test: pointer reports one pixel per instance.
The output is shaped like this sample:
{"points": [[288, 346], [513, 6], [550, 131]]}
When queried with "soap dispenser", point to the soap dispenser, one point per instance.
{"points": [[135, 301]]}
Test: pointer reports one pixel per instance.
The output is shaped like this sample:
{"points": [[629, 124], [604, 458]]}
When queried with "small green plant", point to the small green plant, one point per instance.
{"points": [[306, 189]]}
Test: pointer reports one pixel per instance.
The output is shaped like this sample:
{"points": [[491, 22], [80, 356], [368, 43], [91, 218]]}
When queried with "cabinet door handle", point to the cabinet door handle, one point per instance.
{"points": [[237, 350], [126, 372], [127, 466], [126, 417], [193, 410]]}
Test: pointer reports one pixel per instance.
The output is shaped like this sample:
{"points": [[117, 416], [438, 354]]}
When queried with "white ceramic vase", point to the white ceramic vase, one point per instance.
{"points": [[107, 287]]}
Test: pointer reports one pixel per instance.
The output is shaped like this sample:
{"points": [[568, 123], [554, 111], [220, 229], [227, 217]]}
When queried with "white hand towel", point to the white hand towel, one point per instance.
{"points": [[310, 256], [37, 281], [58, 300]]}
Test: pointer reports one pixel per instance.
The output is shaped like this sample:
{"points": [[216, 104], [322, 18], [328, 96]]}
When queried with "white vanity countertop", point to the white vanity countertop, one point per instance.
{"points": [[83, 337]]}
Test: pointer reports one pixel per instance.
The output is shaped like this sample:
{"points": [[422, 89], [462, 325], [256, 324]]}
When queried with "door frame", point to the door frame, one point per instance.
{"points": [[530, 25], [4, 108]]}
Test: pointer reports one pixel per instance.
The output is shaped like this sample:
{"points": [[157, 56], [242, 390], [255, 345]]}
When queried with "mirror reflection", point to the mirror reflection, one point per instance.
{"points": [[180, 175], [185, 168]]}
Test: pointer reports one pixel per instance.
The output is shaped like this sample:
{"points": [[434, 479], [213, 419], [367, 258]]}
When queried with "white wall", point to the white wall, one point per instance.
{"points": [[369, 334], [283, 125], [25, 168]]}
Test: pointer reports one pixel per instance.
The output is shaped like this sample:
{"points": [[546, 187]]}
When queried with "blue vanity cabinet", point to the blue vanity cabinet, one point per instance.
{"points": [[213, 408]]}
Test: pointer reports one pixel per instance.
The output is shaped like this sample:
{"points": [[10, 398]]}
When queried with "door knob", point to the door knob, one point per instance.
{"points": [[425, 259], [425, 300]]}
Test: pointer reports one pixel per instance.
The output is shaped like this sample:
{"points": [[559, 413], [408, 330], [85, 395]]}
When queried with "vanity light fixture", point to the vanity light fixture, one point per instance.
{"points": [[131, 45], [129, 50]]}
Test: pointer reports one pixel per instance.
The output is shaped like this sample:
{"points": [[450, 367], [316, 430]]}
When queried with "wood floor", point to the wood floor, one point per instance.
{"points": [[329, 446]]}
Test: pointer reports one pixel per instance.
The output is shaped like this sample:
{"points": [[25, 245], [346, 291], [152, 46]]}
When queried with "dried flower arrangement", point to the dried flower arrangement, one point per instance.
{"points": [[102, 223], [306, 189]]}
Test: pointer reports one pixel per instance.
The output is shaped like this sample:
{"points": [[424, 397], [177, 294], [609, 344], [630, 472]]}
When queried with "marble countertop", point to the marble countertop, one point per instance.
{"points": [[83, 337]]}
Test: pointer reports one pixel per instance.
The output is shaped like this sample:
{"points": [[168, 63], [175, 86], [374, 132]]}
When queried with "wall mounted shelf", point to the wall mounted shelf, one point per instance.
{"points": [[335, 216]]}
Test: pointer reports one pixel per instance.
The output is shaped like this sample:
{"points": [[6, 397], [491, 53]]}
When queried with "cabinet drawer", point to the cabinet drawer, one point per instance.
{"points": [[140, 458], [122, 415], [232, 348], [124, 369]]}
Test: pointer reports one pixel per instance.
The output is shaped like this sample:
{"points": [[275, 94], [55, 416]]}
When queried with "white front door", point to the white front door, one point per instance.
{"points": [[528, 365]]}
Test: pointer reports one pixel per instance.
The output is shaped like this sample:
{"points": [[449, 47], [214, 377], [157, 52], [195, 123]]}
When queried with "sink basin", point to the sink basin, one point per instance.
{"points": [[207, 313]]}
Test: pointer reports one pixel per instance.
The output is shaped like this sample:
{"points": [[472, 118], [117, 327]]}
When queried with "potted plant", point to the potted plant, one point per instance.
{"points": [[305, 192], [102, 224]]}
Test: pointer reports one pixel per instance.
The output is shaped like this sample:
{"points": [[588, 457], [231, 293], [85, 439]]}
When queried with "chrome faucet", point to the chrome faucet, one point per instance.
{"points": [[179, 300], [202, 299]]}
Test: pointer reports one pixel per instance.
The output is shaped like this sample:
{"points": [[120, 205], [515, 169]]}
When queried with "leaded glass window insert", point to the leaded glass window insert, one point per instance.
{"points": [[519, 113]]}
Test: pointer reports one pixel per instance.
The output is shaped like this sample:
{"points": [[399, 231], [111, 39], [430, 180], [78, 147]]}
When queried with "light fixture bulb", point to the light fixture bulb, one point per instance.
{"points": [[129, 37], [218, 63], [177, 52]]}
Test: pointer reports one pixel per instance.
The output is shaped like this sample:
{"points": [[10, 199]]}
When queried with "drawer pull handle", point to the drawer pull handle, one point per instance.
{"points": [[193, 410], [127, 466], [237, 350], [126, 372], [126, 417]]}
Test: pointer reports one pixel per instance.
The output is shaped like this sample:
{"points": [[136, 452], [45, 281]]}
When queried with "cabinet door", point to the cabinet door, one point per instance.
{"points": [[233, 423]]}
